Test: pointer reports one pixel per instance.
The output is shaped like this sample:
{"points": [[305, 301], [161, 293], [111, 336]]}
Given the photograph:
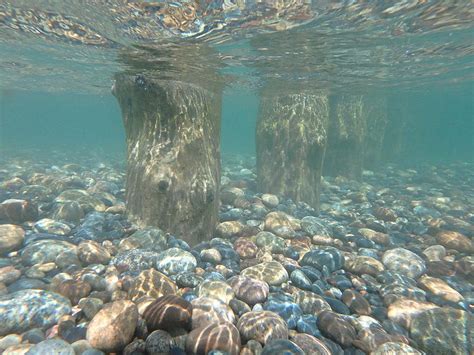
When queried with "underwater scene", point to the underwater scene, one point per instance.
{"points": [[225, 177]]}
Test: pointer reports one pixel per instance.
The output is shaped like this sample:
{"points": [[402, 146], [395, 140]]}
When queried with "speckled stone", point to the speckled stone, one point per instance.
{"points": [[159, 342], [269, 200], [47, 225], [403, 261], [151, 283], [374, 236], [271, 272], [223, 337], [174, 261], [74, 290], [262, 326], [168, 313], [270, 242], [9, 274], [22, 310], [18, 211], [311, 303], [274, 221], [52, 346], [249, 290], [229, 229], [245, 248], [210, 310], [134, 261], [439, 288], [11, 238], [314, 226], [216, 289]]}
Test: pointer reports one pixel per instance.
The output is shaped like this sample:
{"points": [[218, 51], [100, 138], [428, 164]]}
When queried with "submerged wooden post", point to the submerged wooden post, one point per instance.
{"points": [[376, 117], [291, 141], [346, 137], [173, 133]]}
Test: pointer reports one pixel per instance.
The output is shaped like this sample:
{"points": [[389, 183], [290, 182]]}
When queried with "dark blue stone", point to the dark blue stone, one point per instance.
{"points": [[300, 280], [337, 306], [282, 347], [291, 253], [329, 257], [290, 312], [308, 324], [312, 273]]}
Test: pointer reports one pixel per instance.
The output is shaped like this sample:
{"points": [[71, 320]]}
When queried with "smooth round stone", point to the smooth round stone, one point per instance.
{"points": [[282, 346], [33, 336], [216, 289], [168, 313], [69, 212], [374, 236], [364, 265], [239, 307], [74, 290], [9, 274], [403, 311], [272, 272], [245, 248], [25, 283], [159, 342], [269, 200], [314, 226], [134, 261], [332, 258], [45, 251], [262, 326], [404, 261], [229, 195], [112, 328], [439, 288], [394, 348], [11, 238], [289, 311], [270, 242], [337, 305], [311, 303], [81, 346], [435, 253], [308, 324], [455, 240], [91, 252], [356, 303], [443, 331], [210, 310], [311, 345], [26, 309], [211, 256], [221, 337], [336, 328], [151, 283], [249, 290], [52, 346], [174, 261], [51, 226], [252, 347]]}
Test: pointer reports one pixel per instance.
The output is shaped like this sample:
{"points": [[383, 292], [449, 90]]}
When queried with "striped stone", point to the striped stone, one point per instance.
{"points": [[151, 283], [168, 313], [223, 337]]}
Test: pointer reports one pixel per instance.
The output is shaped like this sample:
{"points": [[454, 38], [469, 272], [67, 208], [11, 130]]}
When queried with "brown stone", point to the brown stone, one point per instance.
{"points": [[151, 283], [455, 240], [216, 336], [168, 313], [262, 326]]}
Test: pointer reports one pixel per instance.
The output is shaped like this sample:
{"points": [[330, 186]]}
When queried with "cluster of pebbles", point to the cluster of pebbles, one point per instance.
{"points": [[387, 267]]}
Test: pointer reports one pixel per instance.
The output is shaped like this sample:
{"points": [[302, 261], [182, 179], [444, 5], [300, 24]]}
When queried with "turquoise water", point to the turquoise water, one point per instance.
{"points": [[232, 177]]}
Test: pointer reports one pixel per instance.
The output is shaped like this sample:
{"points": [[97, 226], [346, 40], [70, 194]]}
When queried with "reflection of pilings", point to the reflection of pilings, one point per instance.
{"points": [[346, 136], [291, 141], [376, 117], [173, 132]]}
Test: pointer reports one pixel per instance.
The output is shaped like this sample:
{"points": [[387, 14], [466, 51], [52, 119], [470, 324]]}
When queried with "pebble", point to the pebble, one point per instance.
{"points": [[223, 337], [311, 345], [112, 328], [11, 238], [91, 252], [282, 346], [331, 258], [159, 342], [151, 283], [403, 261], [52, 346], [175, 261], [19, 310], [45, 251], [272, 272], [335, 327], [249, 290], [210, 310], [216, 289], [262, 326], [168, 313], [403, 311]]}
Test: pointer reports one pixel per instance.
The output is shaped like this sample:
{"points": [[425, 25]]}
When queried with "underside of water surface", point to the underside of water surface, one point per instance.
{"points": [[236, 177]]}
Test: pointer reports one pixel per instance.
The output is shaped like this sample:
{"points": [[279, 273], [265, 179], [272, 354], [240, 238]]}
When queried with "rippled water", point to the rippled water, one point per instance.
{"points": [[72, 45]]}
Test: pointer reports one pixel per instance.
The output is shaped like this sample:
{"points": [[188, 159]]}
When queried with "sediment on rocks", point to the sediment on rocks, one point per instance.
{"points": [[173, 133], [291, 143]]}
